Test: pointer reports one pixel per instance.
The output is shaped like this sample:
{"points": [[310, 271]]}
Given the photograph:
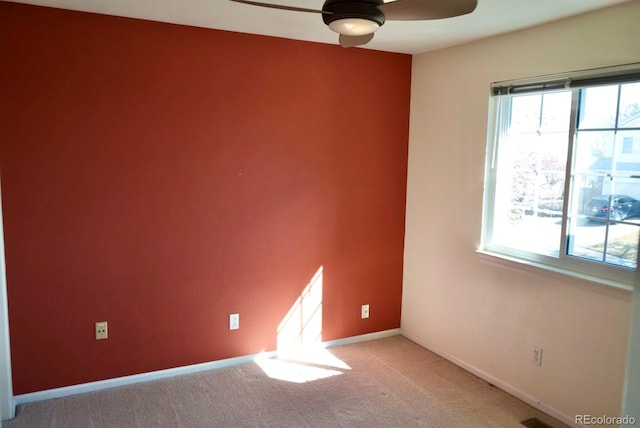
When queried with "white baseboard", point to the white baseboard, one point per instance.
{"points": [[361, 338], [177, 371], [132, 379], [532, 401]]}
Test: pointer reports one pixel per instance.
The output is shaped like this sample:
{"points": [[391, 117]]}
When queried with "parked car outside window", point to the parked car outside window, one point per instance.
{"points": [[612, 207]]}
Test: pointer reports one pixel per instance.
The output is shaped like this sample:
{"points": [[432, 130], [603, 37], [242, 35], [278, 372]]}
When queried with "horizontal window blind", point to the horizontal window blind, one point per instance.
{"points": [[577, 79]]}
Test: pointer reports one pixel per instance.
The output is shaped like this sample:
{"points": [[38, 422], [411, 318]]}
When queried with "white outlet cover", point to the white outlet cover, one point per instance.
{"points": [[537, 356], [234, 321], [102, 331], [365, 311]]}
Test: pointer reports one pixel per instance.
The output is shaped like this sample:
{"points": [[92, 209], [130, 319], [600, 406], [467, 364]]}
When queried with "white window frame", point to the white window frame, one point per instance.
{"points": [[600, 272]]}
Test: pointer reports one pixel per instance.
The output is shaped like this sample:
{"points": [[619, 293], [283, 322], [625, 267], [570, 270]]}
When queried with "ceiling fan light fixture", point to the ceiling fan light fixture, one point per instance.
{"points": [[354, 26], [357, 20]]}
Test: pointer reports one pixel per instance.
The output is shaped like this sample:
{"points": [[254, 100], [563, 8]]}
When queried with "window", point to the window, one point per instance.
{"points": [[563, 179]]}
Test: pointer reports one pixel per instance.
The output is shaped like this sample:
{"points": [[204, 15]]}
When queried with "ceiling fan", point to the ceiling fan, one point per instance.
{"points": [[357, 20]]}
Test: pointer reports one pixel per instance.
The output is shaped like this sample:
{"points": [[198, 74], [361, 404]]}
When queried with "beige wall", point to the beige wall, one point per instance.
{"points": [[632, 387], [484, 315]]}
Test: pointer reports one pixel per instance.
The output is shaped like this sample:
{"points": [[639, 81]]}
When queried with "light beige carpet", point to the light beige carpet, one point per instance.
{"points": [[390, 382]]}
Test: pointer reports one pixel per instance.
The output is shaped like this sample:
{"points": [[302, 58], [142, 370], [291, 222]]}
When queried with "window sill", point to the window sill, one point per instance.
{"points": [[520, 264]]}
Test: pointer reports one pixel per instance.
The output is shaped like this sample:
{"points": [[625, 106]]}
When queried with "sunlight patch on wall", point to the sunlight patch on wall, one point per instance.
{"points": [[301, 356], [303, 323]]}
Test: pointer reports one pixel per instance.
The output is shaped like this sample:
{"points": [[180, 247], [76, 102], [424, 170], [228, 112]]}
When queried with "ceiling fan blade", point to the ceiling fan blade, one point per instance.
{"points": [[351, 41], [278, 6], [418, 10]]}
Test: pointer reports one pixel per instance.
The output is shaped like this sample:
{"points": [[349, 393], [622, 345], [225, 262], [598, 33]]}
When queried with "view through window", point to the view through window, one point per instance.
{"points": [[564, 177]]}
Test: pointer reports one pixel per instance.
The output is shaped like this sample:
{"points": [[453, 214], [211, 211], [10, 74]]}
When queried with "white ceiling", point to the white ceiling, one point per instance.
{"points": [[490, 18]]}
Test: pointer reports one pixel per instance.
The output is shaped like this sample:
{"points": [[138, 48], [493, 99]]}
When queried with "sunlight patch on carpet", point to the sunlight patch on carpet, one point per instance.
{"points": [[301, 355], [294, 372]]}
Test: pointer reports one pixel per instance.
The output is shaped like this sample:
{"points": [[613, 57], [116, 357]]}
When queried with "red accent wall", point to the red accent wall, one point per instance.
{"points": [[160, 177]]}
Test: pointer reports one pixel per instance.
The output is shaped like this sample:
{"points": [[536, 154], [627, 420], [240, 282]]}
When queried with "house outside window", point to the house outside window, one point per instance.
{"points": [[563, 179]]}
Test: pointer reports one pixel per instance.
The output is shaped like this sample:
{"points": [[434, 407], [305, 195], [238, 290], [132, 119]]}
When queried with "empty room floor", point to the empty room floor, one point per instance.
{"points": [[390, 382]]}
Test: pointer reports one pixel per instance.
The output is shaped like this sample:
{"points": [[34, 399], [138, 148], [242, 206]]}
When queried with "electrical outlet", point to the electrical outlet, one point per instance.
{"points": [[537, 356], [364, 312], [234, 321], [101, 330]]}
